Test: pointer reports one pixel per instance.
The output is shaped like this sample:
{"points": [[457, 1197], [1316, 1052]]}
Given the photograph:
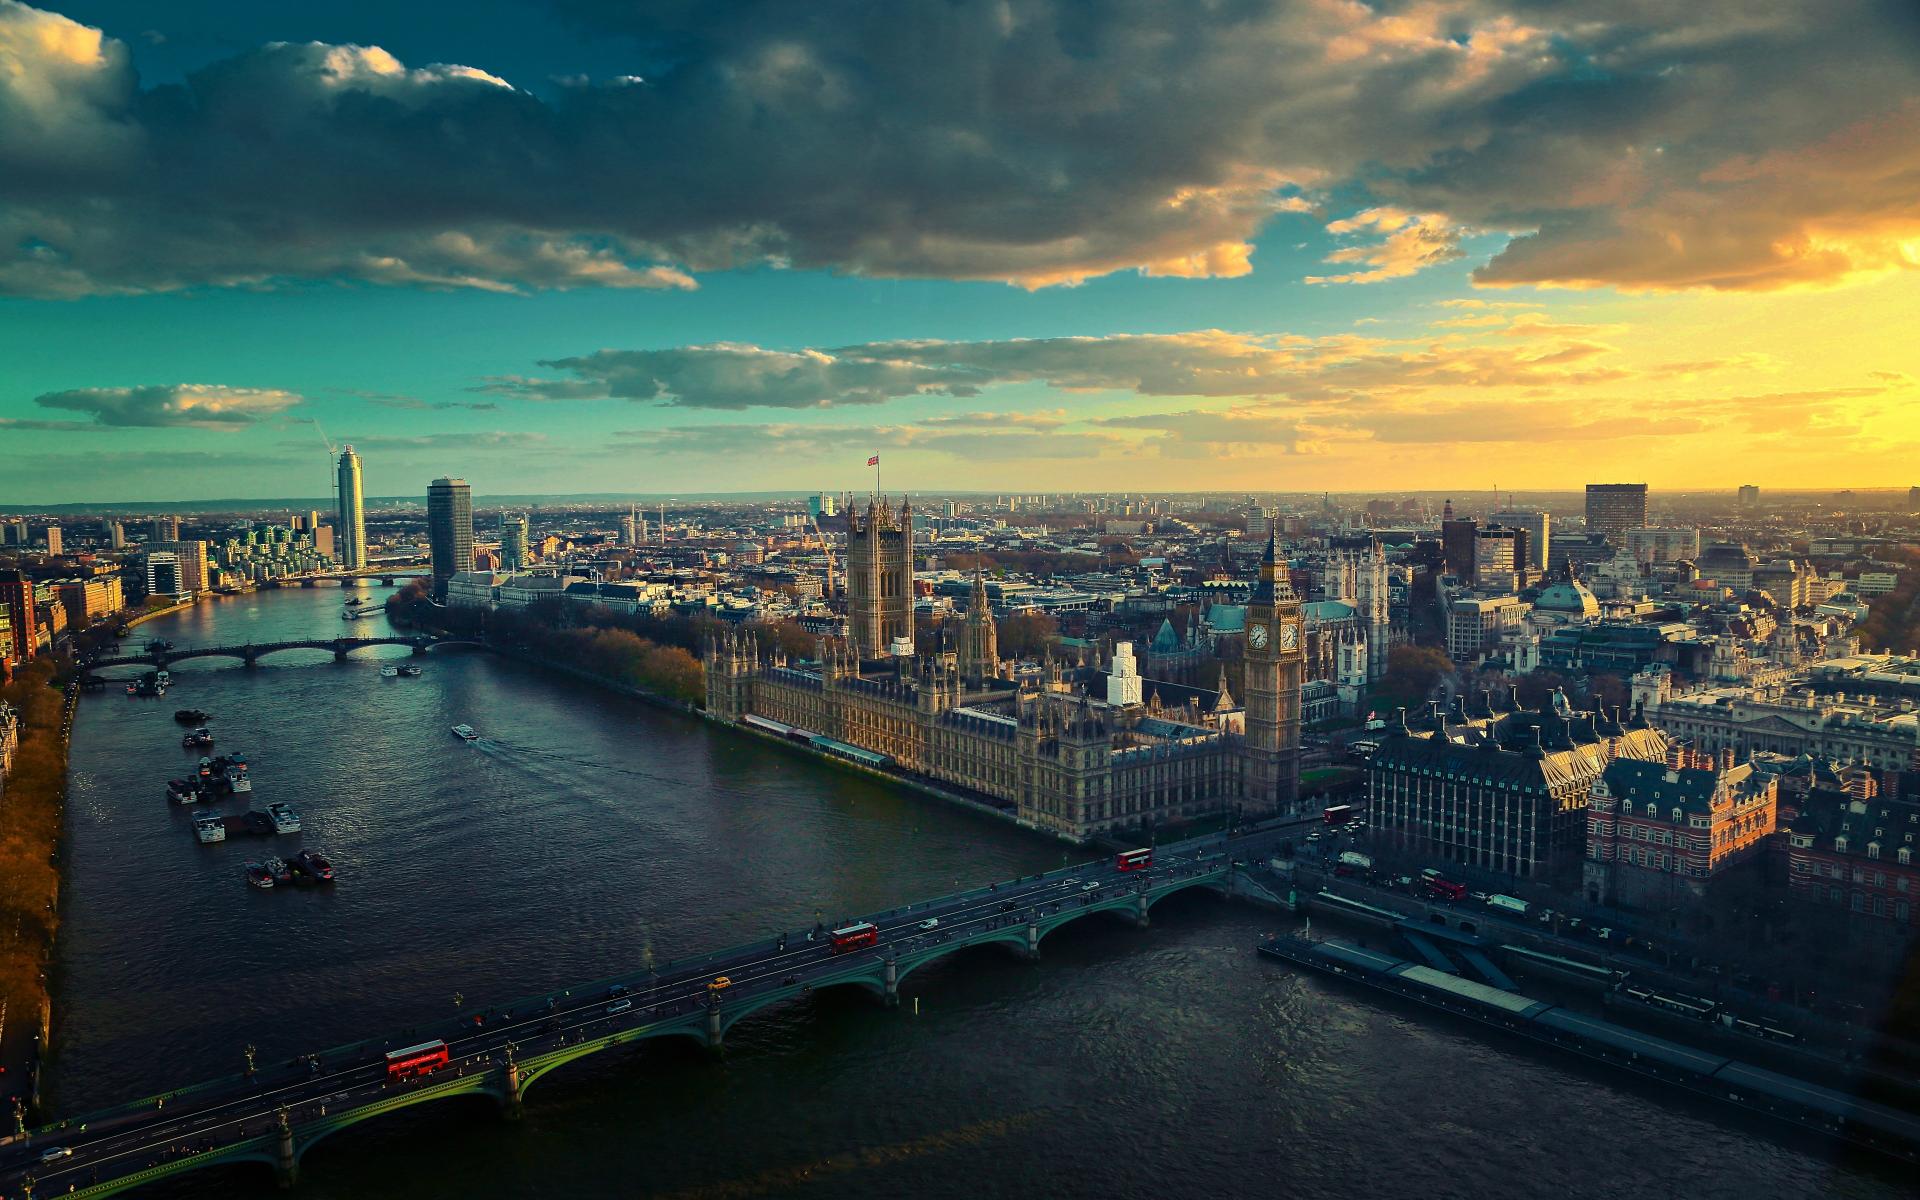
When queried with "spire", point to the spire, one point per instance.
{"points": [[979, 590], [1225, 701]]}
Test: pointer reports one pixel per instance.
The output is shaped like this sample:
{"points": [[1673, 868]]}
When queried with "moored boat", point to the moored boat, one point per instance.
{"points": [[277, 867], [313, 865], [259, 876], [209, 829], [285, 819]]}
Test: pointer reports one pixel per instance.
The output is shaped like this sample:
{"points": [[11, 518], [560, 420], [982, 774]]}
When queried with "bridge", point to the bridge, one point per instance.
{"points": [[275, 1115], [253, 652], [385, 575]]}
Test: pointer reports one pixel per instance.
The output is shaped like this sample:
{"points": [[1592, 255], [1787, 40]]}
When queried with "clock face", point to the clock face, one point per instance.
{"points": [[1289, 636], [1257, 636]]}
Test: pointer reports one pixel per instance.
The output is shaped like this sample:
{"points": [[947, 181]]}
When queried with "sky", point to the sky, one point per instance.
{"points": [[1022, 245]]}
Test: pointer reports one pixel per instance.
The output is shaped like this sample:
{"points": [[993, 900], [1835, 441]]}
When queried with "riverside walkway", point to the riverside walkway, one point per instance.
{"points": [[274, 1115]]}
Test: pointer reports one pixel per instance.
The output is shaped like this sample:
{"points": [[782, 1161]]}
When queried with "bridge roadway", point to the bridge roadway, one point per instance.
{"points": [[253, 651], [277, 1114]]}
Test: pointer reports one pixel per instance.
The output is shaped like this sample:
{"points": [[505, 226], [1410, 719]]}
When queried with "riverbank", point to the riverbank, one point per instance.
{"points": [[31, 817]]}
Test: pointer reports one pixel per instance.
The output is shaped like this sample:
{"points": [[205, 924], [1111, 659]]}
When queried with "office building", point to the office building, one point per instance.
{"points": [[1498, 555], [449, 530], [1475, 626], [1504, 791], [1749, 495], [54, 545], [1614, 508], [163, 573], [1536, 525], [1456, 544], [350, 530], [164, 529], [323, 541], [513, 542], [192, 570]]}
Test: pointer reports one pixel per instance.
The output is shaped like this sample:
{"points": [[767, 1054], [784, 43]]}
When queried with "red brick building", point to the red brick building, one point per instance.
{"points": [[1854, 850], [1660, 832]]}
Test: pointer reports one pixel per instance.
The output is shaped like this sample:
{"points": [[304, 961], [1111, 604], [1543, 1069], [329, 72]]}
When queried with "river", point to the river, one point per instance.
{"points": [[585, 831]]}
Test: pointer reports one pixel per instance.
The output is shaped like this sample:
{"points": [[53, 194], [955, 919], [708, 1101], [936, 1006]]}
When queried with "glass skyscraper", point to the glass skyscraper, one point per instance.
{"points": [[350, 541]]}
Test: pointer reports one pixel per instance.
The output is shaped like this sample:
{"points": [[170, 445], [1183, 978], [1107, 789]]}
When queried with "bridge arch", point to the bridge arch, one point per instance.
{"points": [[309, 1134], [1016, 936], [540, 1068], [876, 985]]}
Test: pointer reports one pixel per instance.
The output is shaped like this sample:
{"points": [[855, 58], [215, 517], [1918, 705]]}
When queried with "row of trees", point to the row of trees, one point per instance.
{"points": [[30, 807]]}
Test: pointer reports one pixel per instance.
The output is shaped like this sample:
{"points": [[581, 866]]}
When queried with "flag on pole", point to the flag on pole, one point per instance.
{"points": [[874, 461]]}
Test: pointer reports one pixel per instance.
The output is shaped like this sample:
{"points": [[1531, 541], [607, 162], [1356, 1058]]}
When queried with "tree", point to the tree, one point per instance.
{"points": [[1027, 635], [1412, 675]]}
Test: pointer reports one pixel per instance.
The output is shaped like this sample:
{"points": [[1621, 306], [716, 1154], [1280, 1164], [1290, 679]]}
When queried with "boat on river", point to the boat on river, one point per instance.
{"points": [[209, 829], [389, 672], [311, 865], [285, 820], [258, 875]]}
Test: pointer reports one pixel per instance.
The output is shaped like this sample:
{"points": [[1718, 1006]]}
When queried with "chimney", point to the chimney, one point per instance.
{"points": [[1726, 758], [1676, 755]]}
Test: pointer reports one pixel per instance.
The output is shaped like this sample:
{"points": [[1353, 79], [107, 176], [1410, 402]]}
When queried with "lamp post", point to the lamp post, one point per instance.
{"points": [[250, 1052]]}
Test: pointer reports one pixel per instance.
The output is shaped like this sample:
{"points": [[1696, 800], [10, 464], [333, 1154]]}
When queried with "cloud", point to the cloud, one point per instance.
{"points": [[734, 376], [193, 405], [1015, 443], [1409, 242], [1716, 145]]}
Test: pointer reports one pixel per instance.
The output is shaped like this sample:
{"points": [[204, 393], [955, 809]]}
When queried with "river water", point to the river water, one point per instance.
{"points": [[585, 831]]}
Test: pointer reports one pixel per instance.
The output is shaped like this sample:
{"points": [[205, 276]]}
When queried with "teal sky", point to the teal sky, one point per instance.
{"points": [[1422, 245]]}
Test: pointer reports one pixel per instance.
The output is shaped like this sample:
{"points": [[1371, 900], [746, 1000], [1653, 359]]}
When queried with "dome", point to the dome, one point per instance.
{"points": [[1568, 597]]}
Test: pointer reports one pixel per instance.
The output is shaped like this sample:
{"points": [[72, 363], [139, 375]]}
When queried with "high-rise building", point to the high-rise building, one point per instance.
{"points": [[14, 532], [116, 535], [1614, 508], [513, 543], [53, 540], [879, 578], [1275, 666], [1913, 499], [1456, 544], [1497, 556], [323, 540], [1536, 524], [1749, 495], [450, 530], [16, 596], [350, 530]]}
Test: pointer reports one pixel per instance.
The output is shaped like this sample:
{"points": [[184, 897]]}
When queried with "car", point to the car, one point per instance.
{"points": [[1480, 896], [1405, 881], [1089, 887], [619, 1006], [929, 923], [719, 983], [618, 990], [53, 1154], [1604, 933], [1573, 924], [1314, 836], [1069, 882]]}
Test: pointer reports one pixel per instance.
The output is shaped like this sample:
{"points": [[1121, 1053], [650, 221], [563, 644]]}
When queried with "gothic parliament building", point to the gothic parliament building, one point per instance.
{"points": [[1073, 750]]}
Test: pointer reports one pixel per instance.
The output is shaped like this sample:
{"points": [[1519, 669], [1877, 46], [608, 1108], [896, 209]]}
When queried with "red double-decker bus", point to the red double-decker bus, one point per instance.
{"points": [[1445, 889], [1133, 860], [1338, 814], [852, 937], [424, 1059]]}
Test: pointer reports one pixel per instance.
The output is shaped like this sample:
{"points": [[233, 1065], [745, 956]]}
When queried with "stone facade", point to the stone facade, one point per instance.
{"points": [[1659, 833], [879, 577]]}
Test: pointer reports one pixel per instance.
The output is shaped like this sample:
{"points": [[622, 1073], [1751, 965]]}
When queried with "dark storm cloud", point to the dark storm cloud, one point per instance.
{"points": [[1718, 144]]}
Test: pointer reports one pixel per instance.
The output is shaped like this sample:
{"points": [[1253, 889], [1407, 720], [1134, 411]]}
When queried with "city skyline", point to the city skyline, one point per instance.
{"points": [[1521, 247]]}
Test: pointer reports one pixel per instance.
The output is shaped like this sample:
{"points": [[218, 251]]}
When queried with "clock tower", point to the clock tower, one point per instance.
{"points": [[1275, 662]]}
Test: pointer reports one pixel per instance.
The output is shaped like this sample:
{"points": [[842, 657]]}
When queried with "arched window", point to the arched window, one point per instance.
{"points": [[1840, 845], [1653, 810], [1873, 849], [1905, 856]]}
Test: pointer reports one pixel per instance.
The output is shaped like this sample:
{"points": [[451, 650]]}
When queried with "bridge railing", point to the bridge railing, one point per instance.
{"points": [[364, 1049]]}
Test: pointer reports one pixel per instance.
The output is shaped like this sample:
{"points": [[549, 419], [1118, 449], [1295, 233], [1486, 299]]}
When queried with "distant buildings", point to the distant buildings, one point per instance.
{"points": [[1614, 508], [1749, 495], [449, 530], [351, 528], [55, 545], [1663, 545]]}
